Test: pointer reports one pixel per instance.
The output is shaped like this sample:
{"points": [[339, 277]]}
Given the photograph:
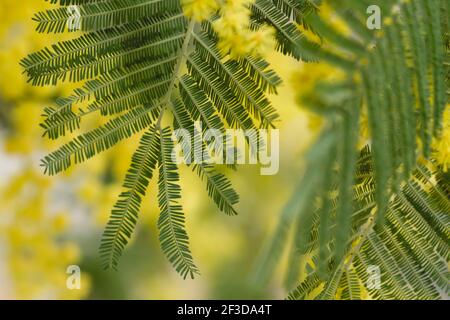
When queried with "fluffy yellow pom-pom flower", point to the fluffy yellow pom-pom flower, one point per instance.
{"points": [[199, 9], [441, 146], [236, 37]]}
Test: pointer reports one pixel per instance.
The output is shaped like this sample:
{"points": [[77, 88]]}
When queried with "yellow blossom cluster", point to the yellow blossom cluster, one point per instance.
{"points": [[235, 35], [233, 26], [199, 9], [441, 146], [37, 256]]}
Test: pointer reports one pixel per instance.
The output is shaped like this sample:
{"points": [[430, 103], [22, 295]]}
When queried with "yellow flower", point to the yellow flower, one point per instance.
{"points": [[69, 253], [262, 40], [32, 238], [364, 130], [199, 9], [441, 146], [59, 223], [235, 36]]}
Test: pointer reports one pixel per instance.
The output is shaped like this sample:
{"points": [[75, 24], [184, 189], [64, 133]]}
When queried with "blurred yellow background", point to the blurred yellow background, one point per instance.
{"points": [[49, 223]]}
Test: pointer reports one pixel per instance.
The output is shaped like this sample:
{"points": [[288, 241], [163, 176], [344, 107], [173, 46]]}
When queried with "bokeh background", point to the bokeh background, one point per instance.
{"points": [[49, 223]]}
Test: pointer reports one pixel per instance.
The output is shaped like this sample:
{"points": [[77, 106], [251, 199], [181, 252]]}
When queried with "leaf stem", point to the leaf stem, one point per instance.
{"points": [[181, 61]]}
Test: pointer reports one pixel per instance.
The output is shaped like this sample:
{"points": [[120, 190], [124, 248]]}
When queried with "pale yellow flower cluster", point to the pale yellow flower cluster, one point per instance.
{"points": [[441, 146], [35, 255], [236, 37], [199, 10], [233, 26]]}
